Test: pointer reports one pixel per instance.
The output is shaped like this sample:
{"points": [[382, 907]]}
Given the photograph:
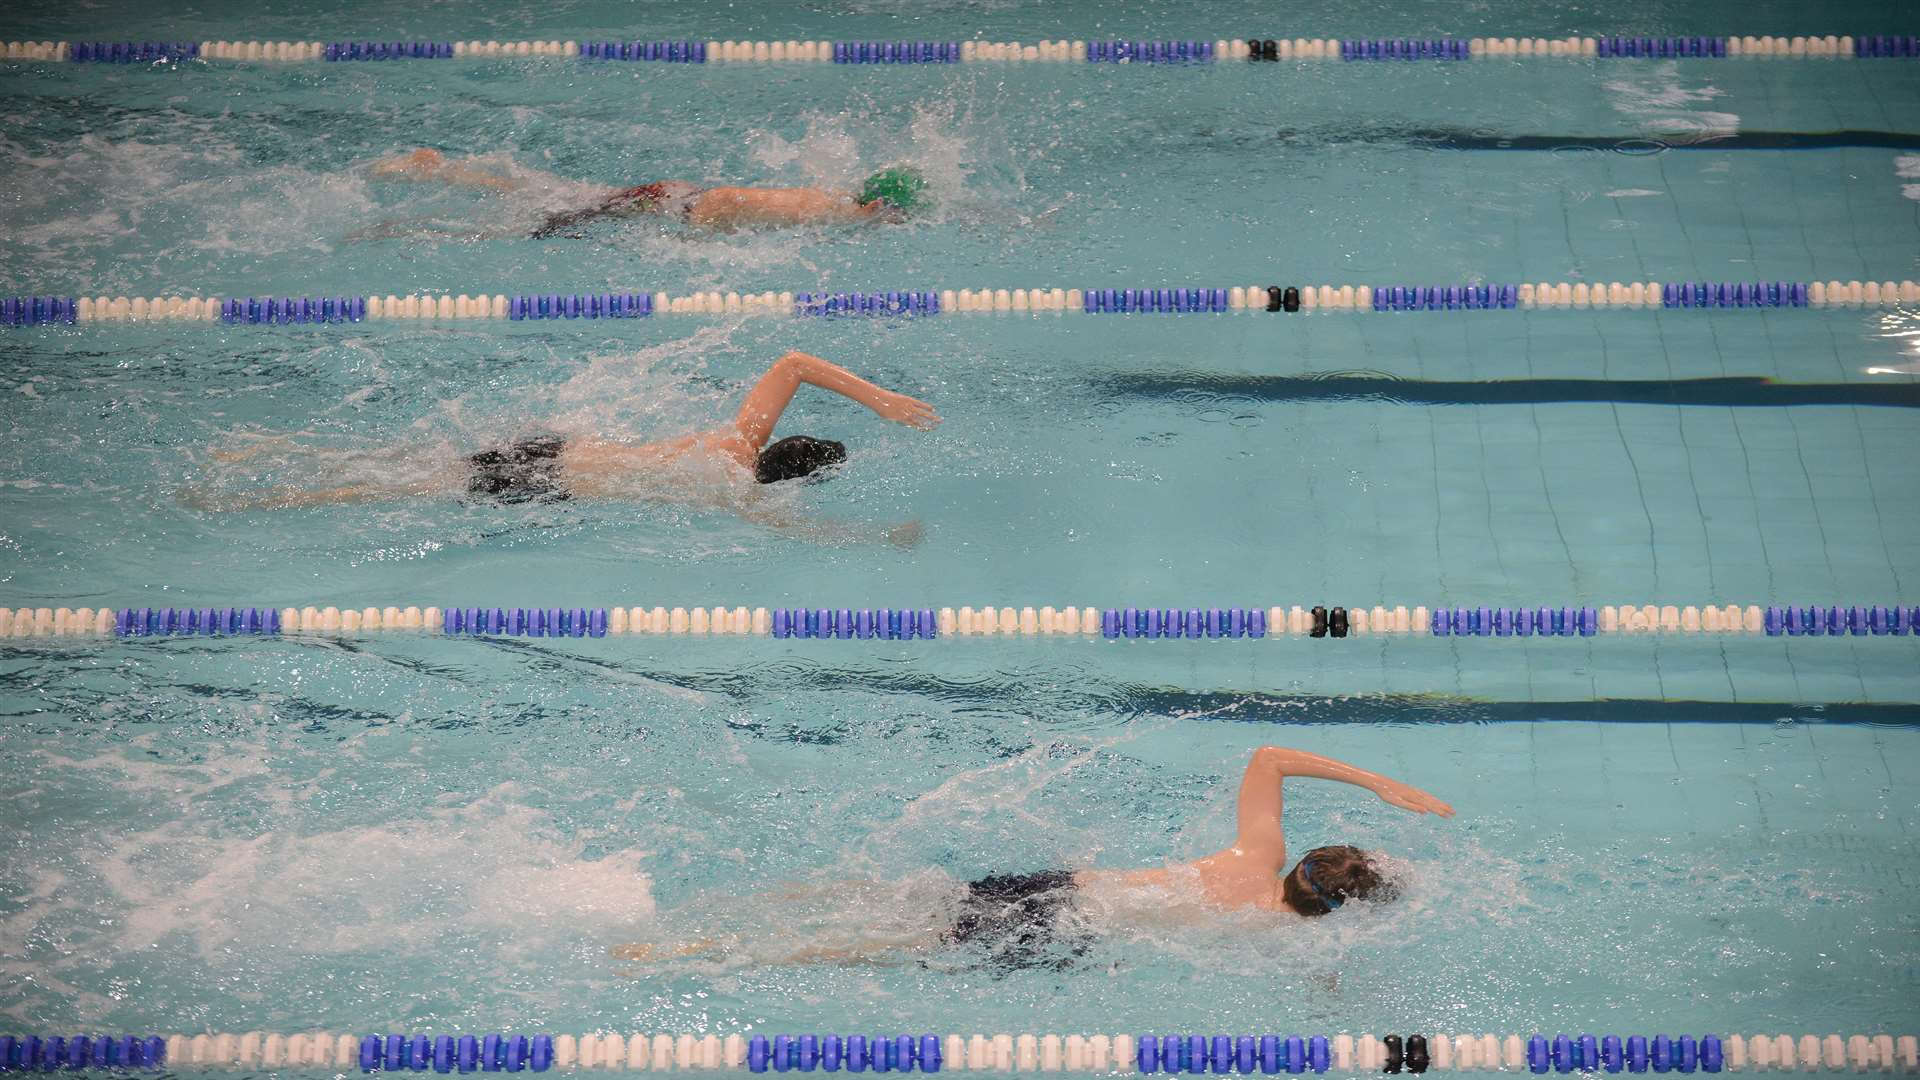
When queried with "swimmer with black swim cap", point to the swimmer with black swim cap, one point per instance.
{"points": [[553, 468], [1027, 920], [890, 195]]}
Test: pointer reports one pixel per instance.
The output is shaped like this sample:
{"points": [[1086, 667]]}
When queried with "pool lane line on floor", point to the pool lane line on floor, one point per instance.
{"points": [[899, 303], [1110, 51], [1297, 621], [1739, 392], [1636, 145], [1268, 1054]]}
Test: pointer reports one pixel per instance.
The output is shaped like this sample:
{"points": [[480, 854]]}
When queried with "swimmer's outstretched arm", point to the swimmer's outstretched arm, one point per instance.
{"points": [[769, 398], [1261, 803], [425, 164]]}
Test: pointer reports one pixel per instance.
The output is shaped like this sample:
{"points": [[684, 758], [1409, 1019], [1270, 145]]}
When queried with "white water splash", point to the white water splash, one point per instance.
{"points": [[1658, 97]]}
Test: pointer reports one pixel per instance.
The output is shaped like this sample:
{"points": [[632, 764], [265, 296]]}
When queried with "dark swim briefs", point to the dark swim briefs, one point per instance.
{"points": [[527, 471], [1016, 917], [656, 198]]}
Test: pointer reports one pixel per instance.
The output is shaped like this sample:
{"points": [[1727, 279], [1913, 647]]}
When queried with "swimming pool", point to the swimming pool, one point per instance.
{"points": [[411, 832]]}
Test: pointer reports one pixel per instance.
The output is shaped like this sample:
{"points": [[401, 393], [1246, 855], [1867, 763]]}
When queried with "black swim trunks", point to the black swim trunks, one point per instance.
{"points": [[669, 198], [527, 471], [1016, 917]]}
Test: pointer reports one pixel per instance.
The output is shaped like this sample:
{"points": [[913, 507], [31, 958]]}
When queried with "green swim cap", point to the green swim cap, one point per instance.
{"points": [[900, 185]]}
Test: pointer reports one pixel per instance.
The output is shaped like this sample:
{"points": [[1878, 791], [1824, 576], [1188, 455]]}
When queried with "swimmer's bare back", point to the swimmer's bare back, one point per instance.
{"points": [[734, 207], [719, 208]]}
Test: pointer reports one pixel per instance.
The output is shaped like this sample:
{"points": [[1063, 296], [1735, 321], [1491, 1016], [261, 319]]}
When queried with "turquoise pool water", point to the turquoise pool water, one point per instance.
{"points": [[1671, 833]]}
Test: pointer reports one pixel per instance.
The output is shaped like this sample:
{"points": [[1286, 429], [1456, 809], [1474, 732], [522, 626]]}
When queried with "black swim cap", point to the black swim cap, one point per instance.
{"points": [[796, 456]]}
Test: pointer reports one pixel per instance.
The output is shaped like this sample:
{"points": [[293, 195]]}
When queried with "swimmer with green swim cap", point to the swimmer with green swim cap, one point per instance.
{"points": [[888, 195], [899, 186]]}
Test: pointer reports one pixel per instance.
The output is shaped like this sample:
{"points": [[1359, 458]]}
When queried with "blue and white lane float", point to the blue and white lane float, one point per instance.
{"points": [[1176, 51], [1466, 297], [1266, 1054], [905, 624]]}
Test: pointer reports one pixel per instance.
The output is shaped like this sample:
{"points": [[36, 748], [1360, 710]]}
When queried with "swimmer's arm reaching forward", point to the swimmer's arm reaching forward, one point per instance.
{"points": [[425, 164], [769, 398], [1260, 835]]}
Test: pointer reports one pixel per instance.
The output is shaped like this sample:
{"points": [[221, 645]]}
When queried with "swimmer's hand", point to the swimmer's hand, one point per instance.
{"points": [[902, 409], [884, 211], [1408, 797]]}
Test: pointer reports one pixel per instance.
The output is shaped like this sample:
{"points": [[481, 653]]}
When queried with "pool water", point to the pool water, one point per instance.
{"points": [[411, 833]]}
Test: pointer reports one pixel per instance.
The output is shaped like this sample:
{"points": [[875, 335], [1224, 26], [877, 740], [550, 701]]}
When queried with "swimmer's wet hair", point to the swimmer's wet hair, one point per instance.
{"points": [[796, 456], [1332, 876]]}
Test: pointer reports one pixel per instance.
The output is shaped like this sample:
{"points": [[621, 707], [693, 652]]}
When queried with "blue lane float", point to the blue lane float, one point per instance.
{"points": [[38, 310], [287, 310], [854, 1053], [1269, 1055], [1149, 52], [178, 622], [869, 304], [1514, 622], [1660, 48], [1405, 49], [580, 306], [1183, 623], [896, 52], [1470, 297], [132, 52], [1733, 294], [44, 1053], [1836, 621], [1886, 46], [891, 624], [524, 622], [671, 52], [494, 1052], [335, 51], [1169, 301]]}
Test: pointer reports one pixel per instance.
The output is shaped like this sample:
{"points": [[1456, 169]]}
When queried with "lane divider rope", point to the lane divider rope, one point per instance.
{"points": [[898, 303], [1843, 46], [1269, 1054], [1128, 623]]}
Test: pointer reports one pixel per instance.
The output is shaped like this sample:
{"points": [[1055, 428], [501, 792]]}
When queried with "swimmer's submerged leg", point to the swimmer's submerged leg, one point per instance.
{"points": [[642, 951], [556, 224], [290, 497], [861, 952], [261, 444]]}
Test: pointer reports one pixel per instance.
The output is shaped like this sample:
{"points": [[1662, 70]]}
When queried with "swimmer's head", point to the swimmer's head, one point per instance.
{"points": [[901, 187], [1330, 876], [796, 456]]}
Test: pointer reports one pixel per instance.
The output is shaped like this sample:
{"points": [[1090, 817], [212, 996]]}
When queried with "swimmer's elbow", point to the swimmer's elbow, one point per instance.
{"points": [[1277, 757]]}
